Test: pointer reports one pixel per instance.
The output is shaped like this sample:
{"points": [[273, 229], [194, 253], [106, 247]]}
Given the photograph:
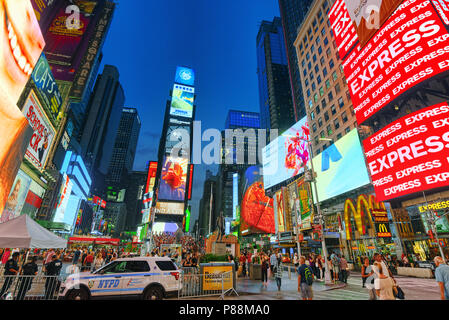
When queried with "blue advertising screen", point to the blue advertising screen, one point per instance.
{"points": [[185, 76], [340, 168]]}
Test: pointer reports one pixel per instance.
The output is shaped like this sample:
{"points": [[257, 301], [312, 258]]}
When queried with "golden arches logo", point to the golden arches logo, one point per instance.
{"points": [[364, 205]]}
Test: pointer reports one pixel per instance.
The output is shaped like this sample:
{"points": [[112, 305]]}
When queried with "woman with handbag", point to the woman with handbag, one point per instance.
{"points": [[384, 285]]}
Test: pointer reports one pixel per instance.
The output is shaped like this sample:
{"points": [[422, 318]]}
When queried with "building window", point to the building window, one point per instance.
{"points": [[348, 95], [318, 79], [314, 127], [326, 116], [330, 96], [322, 61], [347, 130], [344, 117], [308, 56], [308, 93], [329, 130], [321, 91], [313, 86], [333, 109], [310, 104], [320, 122], [317, 41], [304, 71], [328, 52], [317, 110], [335, 76], [317, 69], [324, 71], [320, 50], [322, 134], [325, 40], [315, 97], [309, 65], [340, 102], [323, 32], [338, 136], [312, 115], [337, 88], [307, 82], [336, 124], [328, 84], [323, 103], [311, 76], [331, 63], [316, 140]]}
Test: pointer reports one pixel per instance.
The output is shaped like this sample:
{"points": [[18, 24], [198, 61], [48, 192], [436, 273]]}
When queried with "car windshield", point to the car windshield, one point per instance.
{"points": [[113, 267]]}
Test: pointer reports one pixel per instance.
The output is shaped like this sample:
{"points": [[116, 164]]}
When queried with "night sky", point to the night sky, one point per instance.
{"points": [[149, 38]]}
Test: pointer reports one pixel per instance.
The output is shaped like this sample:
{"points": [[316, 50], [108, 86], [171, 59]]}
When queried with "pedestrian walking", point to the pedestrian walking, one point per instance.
{"points": [[11, 269], [366, 271], [88, 260], [442, 277], [98, 263], [335, 266], [76, 256], [384, 284], [305, 280], [53, 270], [296, 260], [279, 269], [265, 268], [273, 260], [344, 269], [29, 270]]}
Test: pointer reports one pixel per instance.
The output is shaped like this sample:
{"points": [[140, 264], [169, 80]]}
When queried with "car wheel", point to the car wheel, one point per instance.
{"points": [[78, 294], [153, 293]]}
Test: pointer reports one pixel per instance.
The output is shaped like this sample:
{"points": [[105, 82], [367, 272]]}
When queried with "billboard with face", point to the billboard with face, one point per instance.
{"points": [[21, 44], [43, 135], [173, 179], [286, 156], [16, 197], [182, 101]]}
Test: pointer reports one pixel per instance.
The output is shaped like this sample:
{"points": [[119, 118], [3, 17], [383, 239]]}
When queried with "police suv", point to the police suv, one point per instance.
{"points": [[150, 278]]}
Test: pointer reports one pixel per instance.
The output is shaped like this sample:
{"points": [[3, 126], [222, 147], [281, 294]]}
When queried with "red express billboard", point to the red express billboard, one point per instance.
{"points": [[343, 28], [411, 47], [411, 154]]}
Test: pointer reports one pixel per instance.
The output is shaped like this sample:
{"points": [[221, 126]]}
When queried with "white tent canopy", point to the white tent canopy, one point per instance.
{"points": [[24, 232]]}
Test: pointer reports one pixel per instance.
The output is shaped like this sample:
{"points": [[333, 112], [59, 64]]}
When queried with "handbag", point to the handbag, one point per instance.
{"points": [[398, 293]]}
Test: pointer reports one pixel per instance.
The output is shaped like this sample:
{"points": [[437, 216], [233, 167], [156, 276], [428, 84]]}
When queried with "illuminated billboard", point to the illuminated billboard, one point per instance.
{"points": [[368, 16], [21, 44], [43, 135], [178, 136], [410, 48], [173, 179], [46, 85], [279, 213], [152, 170], [162, 227], [410, 154], [286, 156], [344, 32], [182, 101], [340, 168], [257, 208], [185, 76], [64, 194], [17, 197], [169, 208], [304, 205], [189, 193]]}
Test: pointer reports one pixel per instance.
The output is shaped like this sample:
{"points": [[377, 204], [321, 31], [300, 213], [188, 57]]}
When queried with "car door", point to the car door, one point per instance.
{"points": [[107, 281], [135, 277], [170, 274]]}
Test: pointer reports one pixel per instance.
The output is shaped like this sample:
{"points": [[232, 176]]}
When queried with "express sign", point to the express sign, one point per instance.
{"points": [[411, 154], [412, 46]]}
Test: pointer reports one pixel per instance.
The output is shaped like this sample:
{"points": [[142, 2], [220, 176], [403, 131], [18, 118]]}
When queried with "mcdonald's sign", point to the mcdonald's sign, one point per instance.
{"points": [[383, 230], [361, 212]]}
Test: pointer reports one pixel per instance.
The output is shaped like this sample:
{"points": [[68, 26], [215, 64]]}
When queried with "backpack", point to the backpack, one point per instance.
{"points": [[308, 276]]}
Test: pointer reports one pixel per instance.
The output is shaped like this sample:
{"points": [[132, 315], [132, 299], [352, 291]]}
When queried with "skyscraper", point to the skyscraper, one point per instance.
{"points": [[124, 150], [275, 99], [102, 124], [293, 13]]}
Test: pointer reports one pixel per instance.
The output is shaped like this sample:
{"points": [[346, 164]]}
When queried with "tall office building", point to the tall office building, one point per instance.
{"points": [[102, 125], [293, 13], [124, 150], [208, 205], [275, 99], [329, 108], [135, 188]]}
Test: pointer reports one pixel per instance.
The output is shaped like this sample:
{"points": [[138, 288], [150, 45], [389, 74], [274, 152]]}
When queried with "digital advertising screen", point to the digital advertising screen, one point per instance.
{"points": [[44, 11], [344, 32], [152, 171], [21, 44], [257, 208], [410, 47], [169, 208], [410, 154], [185, 76], [64, 194], [47, 87], [43, 132], [279, 212], [173, 179], [182, 101], [286, 156], [340, 168], [177, 143], [304, 204], [369, 15], [17, 197]]}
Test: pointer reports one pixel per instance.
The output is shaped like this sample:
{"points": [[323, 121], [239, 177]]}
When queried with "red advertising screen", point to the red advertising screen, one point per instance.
{"points": [[344, 32], [412, 46], [189, 194], [152, 170], [411, 154]]}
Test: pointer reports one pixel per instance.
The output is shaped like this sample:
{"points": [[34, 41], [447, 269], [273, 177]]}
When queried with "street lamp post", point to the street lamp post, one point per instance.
{"points": [[327, 276]]}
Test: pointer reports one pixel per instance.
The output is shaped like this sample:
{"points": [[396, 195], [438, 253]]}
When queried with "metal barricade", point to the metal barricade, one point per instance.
{"points": [[39, 287], [196, 285], [227, 284]]}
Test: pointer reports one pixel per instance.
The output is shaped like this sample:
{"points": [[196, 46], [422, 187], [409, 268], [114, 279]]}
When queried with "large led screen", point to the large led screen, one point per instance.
{"points": [[152, 170], [257, 208], [17, 197], [43, 135], [286, 156], [21, 44], [344, 32], [410, 154], [340, 168], [182, 101], [169, 208], [173, 179], [64, 194], [185, 76], [410, 48]]}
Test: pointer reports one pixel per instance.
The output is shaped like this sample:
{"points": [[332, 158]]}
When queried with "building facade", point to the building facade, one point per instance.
{"points": [[275, 99]]}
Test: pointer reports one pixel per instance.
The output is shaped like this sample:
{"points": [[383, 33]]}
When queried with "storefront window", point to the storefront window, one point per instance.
{"points": [[416, 220]]}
